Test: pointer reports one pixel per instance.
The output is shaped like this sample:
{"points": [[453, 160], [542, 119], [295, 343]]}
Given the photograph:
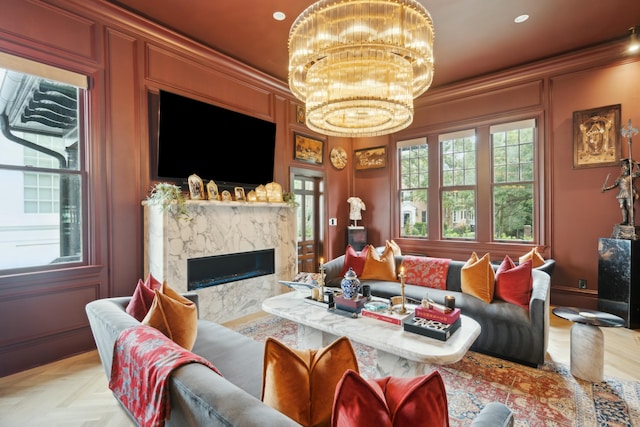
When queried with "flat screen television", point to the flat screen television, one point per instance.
{"points": [[194, 137]]}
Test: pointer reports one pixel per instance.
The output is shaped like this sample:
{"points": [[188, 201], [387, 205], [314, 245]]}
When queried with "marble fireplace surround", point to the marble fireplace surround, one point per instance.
{"points": [[218, 228]]}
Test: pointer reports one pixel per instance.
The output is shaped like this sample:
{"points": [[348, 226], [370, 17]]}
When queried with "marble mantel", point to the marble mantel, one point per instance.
{"points": [[218, 228]]}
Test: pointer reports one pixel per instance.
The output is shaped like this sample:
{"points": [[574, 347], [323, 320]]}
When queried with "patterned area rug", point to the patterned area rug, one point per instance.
{"points": [[548, 396]]}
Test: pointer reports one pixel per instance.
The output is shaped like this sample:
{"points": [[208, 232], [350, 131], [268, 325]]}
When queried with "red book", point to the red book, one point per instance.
{"points": [[385, 316], [431, 314]]}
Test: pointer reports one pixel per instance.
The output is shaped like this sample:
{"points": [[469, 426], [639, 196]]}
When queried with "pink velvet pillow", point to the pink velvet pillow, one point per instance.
{"points": [[390, 402], [142, 297], [353, 260], [514, 283]]}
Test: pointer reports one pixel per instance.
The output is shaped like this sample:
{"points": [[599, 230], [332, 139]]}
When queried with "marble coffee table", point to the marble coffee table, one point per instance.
{"points": [[399, 353]]}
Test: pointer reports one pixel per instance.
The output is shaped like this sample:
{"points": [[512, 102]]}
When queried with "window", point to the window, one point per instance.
{"points": [[508, 176], [41, 170], [414, 183], [512, 152], [459, 177]]}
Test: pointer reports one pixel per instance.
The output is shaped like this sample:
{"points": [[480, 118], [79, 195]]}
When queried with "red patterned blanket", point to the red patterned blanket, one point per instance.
{"points": [[143, 360], [426, 271]]}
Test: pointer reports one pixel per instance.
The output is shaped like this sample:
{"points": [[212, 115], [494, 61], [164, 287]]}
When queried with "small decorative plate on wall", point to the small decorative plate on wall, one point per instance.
{"points": [[338, 157]]}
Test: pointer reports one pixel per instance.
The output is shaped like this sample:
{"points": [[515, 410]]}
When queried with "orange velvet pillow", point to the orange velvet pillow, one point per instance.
{"points": [[301, 383], [390, 402], [354, 260], [142, 297], [174, 315], [477, 277], [390, 244], [514, 283], [380, 267], [536, 259]]}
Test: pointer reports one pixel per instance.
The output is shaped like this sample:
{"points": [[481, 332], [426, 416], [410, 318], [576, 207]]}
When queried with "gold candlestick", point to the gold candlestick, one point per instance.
{"points": [[321, 296], [403, 309]]}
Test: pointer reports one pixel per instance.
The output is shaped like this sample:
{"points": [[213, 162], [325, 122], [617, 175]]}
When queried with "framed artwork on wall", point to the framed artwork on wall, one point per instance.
{"points": [[596, 137], [307, 149], [370, 158]]}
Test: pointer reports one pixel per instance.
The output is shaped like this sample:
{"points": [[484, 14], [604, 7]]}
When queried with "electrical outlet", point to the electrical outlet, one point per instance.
{"points": [[582, 283]]}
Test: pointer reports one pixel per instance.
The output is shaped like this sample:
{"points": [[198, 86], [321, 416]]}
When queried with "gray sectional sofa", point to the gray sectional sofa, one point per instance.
{"points": [[200, 397], [508, 331]]}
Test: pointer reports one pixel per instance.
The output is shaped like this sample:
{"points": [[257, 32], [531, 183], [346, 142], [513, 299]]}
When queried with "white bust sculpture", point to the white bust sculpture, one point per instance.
{"points": [[356, 206]]}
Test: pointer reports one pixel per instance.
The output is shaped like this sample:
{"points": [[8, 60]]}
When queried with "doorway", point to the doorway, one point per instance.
{"points": [[308, 189]]}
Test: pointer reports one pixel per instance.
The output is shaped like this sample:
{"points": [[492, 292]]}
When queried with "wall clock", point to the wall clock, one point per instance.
{"points": [[338, 157]]}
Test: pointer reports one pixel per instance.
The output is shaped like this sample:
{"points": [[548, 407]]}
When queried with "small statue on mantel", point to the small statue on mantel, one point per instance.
{"points": [[627, 193], [356, 206]]}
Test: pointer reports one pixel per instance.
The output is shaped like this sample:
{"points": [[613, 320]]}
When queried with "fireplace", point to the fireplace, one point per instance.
{"points": [[216, 229], [219, 269]]}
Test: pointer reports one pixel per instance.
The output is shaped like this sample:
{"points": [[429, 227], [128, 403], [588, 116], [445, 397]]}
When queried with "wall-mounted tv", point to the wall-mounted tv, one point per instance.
{"points": [[194, 137]]}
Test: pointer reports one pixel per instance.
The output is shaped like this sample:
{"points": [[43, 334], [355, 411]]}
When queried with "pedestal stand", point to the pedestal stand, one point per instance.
{"points": [[619, 279]]}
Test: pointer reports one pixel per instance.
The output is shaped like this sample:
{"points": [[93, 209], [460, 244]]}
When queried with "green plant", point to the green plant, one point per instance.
{"points": [[169, 197], [290, 199]]}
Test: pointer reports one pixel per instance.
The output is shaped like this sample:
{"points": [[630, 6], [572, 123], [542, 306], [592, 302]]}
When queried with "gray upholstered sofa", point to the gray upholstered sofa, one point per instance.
{"points": [[200, 397], [508, 331]]}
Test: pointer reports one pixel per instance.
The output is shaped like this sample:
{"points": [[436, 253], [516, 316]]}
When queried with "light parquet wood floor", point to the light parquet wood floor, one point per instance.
{"points": [[74, 391]]}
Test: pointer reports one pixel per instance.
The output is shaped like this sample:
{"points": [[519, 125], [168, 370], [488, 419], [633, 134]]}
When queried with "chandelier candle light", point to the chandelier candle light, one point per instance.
{"points": [[359, 64]]}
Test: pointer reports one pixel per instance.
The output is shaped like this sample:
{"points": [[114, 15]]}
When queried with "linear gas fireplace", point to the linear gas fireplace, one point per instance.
{"points": [[218, 269]]}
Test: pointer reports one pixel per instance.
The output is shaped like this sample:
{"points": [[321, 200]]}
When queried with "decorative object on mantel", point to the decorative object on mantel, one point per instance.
{"points": [[168, 196], [374, 56], [252, 196], [226, 196], [627, 193], [196, 188], [240, 196], [212, 191], [274, 192], [261, 193]]}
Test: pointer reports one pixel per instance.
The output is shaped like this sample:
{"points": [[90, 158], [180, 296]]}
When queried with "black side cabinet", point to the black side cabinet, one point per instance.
{"points": [[357, 237], [619, 279]]}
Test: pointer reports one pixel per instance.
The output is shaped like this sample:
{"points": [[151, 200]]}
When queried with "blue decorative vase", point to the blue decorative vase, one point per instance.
{"points": [[350, 284]]}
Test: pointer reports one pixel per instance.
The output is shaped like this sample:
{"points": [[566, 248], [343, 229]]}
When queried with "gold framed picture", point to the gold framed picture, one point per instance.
{"points": [[596, 137], [370, 158], [308, 149]]}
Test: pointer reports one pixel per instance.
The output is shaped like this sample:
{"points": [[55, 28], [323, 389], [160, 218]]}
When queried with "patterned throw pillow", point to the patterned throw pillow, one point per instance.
{"points": [[354, 260], [426, 271], [390, 402], [514, 283], [380, 267], [301, 383], [477, 277], [174, 315], [142, 297]]}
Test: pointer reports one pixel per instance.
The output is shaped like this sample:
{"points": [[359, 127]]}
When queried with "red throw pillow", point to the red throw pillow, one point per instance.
{"points": [[142, 297], [514, 283], [353, 260], [390, 402]]}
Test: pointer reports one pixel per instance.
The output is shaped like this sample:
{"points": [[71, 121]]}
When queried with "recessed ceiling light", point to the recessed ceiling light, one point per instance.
{"points": [[520, 19], [279, 16]]}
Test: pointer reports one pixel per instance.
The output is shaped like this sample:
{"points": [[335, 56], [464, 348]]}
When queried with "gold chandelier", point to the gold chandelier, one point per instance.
{"points": [[358, 64]]}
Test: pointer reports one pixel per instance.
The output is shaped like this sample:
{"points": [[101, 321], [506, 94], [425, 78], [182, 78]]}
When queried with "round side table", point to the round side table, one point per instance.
{"points": [[587, 340]]}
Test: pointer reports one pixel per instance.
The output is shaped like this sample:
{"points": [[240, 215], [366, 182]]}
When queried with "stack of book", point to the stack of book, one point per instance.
{"points": [[392, 317], [433, 323]]}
